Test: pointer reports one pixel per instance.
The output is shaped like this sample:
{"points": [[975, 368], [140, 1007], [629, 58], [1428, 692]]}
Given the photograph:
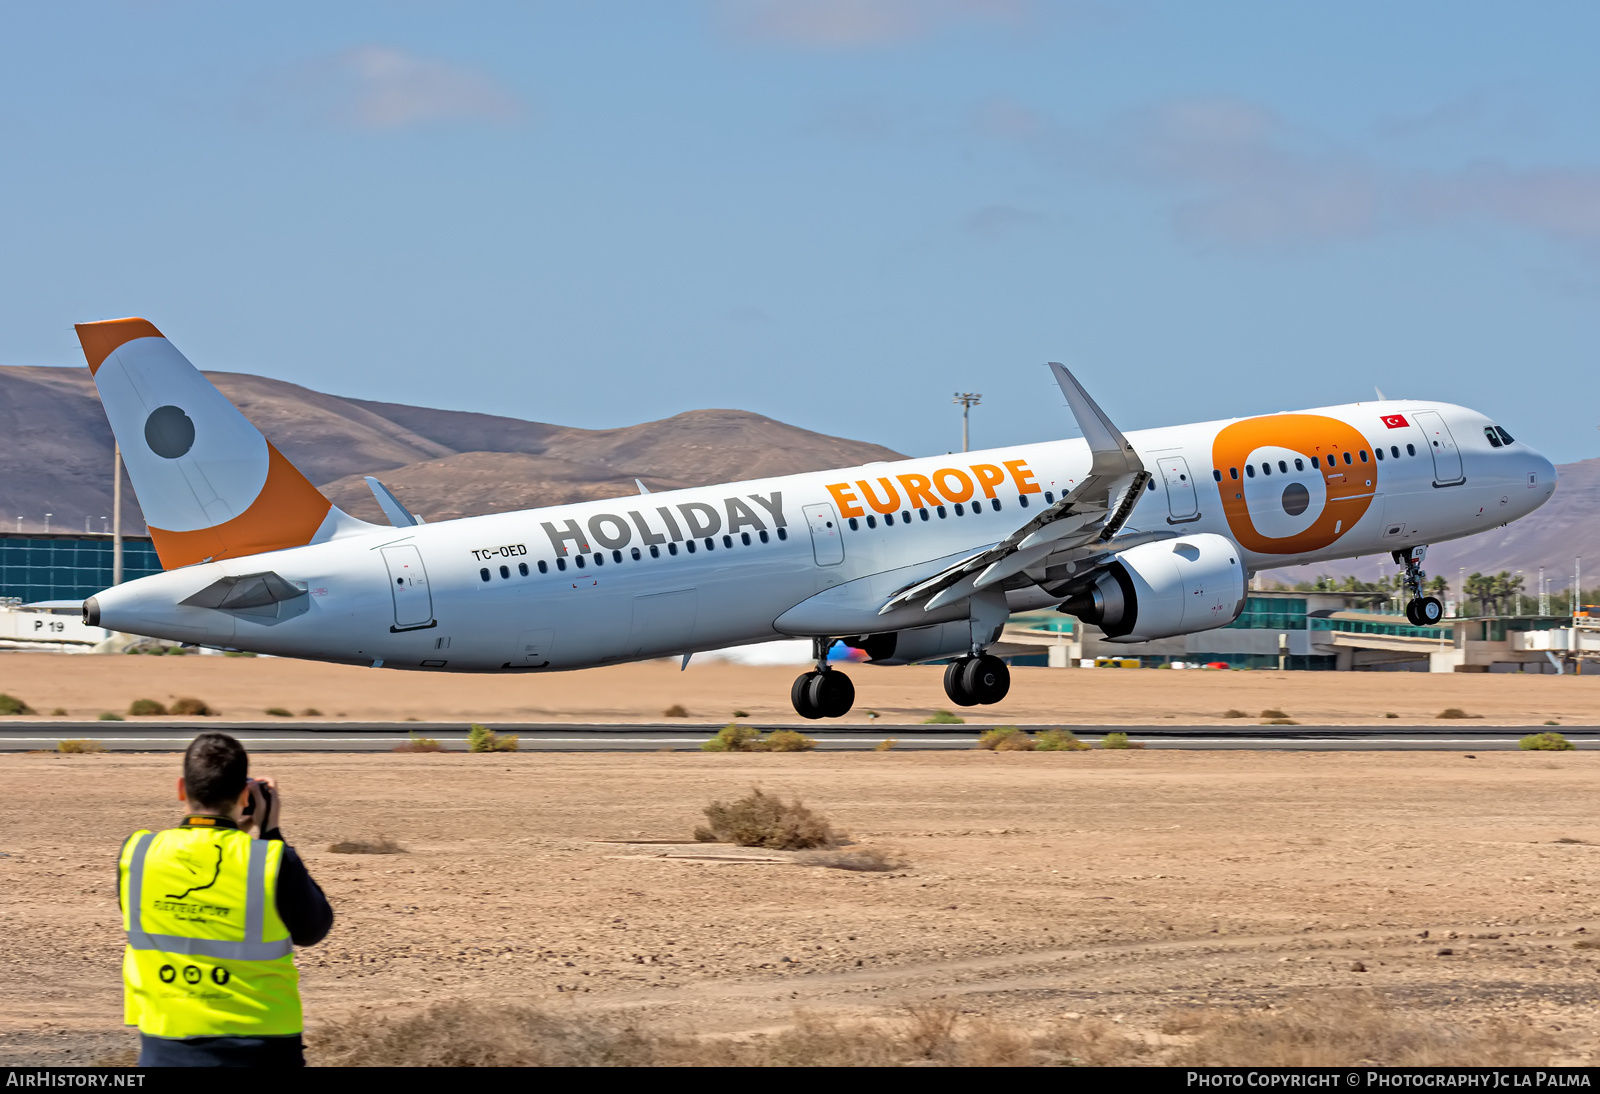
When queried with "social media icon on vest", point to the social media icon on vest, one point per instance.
{"points": [[191, 974]]}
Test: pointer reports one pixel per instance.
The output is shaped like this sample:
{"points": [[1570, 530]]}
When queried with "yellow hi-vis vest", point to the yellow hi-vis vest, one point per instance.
{"points": [[207, 954]]}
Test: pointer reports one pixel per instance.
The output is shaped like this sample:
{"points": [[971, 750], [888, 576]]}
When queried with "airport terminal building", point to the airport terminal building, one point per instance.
{"points": [[57, 566]]}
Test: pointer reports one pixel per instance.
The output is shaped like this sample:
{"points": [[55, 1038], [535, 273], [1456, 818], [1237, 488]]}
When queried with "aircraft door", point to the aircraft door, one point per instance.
{"points": [[408, 584], [827, 544], [1182, 504], [1446, 456]]}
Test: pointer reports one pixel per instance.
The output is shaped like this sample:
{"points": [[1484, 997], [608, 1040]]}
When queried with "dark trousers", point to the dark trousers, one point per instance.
{"points": [[221, 1051]]}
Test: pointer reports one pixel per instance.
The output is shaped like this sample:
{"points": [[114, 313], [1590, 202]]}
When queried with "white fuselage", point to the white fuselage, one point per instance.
{"points": [[669, 573]]}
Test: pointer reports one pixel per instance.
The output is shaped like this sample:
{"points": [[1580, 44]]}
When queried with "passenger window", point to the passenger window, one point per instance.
{"points": [[1347, 458], [544, 567], [940, 511], [1299, 464], [1215, 474], [994, 503], [1022, 499], [561, 564], [1233, 473], [888, 519], [1315, 462], [1394, 450], [1363, 455], [854, 527], [924, 513], [1150, 484], [745, 536], [1411, 450], [1378, 452], [484, 573], [599, 559], [1494, 438], [783, 533], [727, 541], [1049, 497], [522, 568], [688, 545], [711, 544], [579, 561], [505, 572], [905, 518], [616, 556], [1283, 467], [763, 534], [1504, 436], [872, 522], [960, 512], [1250, 470], [672, 548], [635, 553], [655, 552]]}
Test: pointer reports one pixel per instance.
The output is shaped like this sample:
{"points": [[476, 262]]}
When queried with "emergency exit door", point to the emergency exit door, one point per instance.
{"points": [[408, 584], [1182, 503], [1446, 456], [827, 542]]}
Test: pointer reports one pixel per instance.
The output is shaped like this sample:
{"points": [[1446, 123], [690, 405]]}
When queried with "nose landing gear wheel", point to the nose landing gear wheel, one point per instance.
{"points": [[822, 694], [986, 679], [1429, 611]]}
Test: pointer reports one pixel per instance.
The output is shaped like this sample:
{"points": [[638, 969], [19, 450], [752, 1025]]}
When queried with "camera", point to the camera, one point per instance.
{"points": [[266, 799]]}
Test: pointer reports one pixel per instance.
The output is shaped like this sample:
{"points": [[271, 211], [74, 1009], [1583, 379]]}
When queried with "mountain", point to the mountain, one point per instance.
{"points": [[55, 451]]}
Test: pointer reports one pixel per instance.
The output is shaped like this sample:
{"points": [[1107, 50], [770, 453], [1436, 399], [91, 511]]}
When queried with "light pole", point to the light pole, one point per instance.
{"points": [[968, 400], [116, 514]]}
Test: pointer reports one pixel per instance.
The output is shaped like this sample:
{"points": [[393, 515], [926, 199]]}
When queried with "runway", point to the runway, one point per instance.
{"points": [[160, 735]]}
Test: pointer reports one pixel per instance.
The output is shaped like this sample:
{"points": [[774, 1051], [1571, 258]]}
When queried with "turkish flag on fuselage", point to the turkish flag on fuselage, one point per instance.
{"points": [[1395, 421]]}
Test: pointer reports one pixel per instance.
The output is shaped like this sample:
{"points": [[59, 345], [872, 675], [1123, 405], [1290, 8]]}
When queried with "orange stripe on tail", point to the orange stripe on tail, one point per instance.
{"points": [[101, 340], [287, 513]]}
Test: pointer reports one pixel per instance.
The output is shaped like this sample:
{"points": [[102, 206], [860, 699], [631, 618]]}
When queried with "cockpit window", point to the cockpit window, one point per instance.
{"points": [[1504, 436], [1494, 438]]}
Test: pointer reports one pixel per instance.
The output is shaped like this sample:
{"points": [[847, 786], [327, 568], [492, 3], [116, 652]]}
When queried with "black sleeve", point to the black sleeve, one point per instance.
{"points": [[301, 905]]}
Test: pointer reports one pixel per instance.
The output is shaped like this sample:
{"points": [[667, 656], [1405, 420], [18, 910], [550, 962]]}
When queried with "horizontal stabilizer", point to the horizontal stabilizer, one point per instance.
{"points": [[245, 591]]}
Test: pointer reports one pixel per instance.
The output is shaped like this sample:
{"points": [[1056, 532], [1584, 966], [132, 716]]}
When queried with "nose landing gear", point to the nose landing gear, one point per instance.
{"points": [[822, 692], [978, 679], [1422, 611]]}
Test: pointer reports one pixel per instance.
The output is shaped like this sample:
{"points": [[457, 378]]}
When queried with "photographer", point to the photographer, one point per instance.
{"points": [[213, 910]]}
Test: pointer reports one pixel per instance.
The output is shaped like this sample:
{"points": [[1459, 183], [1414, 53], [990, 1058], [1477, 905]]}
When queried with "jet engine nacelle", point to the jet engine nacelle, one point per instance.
{"points": [[1166, 588]]}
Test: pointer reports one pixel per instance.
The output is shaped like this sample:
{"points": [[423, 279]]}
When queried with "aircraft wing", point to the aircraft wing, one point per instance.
{"points": [[1077, 529]]}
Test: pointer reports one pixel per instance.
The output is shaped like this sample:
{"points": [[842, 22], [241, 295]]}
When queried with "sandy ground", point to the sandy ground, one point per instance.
{"points": [[1038, 886], [243, 688]]}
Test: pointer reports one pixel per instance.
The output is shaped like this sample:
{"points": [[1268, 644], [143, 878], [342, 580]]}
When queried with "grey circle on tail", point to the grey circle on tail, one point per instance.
{"points": [[1295, 499], [169, 432]]}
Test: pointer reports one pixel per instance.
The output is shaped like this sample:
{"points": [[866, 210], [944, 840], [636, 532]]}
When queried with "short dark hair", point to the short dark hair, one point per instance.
{"points": [[215, 770]]}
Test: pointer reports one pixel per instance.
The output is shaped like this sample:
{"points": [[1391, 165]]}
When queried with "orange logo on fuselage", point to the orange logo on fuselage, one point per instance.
{"points": [[917, 491], [1292, 483]]}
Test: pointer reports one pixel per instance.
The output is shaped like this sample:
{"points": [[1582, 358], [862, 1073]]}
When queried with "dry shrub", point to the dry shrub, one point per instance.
{"points": [[1273, 712], [377, 845], [484, 739], [79, 745], [107, 716], [1233, 712], [1453, 712], [760, 819], [1119, 740], [311, 712], [1545, 742], [1058, 740], [870, 860], [10, 704], [787, 740], [676, 711], [419, 744], [885, 745], [1005, 739], [279, 712], [192, 707], [733, 737], [1347, 1029], [140, 707], [463, 1034], [59, 712], [944, 718]]}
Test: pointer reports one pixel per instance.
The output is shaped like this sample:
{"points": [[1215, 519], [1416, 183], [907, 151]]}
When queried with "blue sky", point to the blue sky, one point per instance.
{"points": [[834, 213]]}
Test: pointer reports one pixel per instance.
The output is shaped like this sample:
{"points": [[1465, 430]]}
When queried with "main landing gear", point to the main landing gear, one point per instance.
{"points": [[822, 692], [1422, 611], [978, 678]]}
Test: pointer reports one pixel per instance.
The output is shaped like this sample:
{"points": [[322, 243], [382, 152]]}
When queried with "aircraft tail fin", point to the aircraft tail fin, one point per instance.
{"points": [[211, 486]]}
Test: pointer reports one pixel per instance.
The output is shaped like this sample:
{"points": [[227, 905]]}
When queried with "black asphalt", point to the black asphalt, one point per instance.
{"points": [[289, 735]]}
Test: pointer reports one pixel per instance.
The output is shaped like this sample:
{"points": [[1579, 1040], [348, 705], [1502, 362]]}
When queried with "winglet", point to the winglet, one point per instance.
{"points": [[643, 489], [1113, 455], [398, 514]]}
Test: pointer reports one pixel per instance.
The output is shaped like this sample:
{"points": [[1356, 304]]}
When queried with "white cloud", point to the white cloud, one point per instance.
{"points": [[852, 24], [382, 88]]}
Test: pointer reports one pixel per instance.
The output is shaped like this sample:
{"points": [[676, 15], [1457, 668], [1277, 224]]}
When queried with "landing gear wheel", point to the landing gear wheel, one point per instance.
{"points": [[1411, 613], [800, 696], [954, 685], [1429, 611], [831, 694], [986, 679]]}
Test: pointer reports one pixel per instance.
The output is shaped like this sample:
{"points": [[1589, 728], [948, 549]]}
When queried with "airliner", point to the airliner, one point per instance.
{"points": [[1145, 535]]}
